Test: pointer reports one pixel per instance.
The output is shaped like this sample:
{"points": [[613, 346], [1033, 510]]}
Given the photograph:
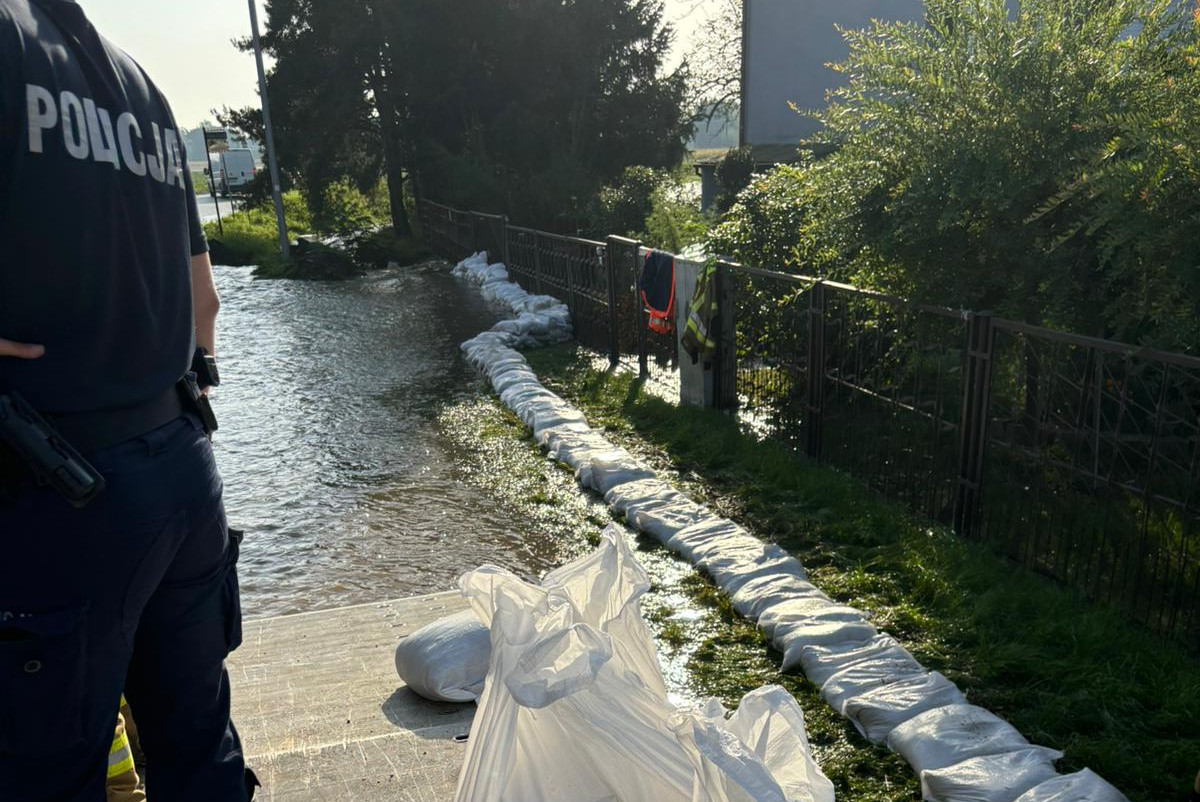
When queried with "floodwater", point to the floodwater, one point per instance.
{"points": [[334, 458]]}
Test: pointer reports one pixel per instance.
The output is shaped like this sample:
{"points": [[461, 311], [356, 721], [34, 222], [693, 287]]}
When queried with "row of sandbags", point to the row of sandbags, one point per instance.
{"points": [[962, 752], [539, 318]]}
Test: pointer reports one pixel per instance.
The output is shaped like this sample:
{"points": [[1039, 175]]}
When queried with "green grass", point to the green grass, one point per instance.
{"points": [[200, 183], [1067, 673]]}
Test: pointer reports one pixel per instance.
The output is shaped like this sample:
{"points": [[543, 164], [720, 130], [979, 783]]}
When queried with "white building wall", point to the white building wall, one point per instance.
{"points": [[787, 45]]}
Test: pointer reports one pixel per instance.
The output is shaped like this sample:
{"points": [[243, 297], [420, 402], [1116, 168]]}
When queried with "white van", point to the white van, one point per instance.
{"points": [[235, 169]]}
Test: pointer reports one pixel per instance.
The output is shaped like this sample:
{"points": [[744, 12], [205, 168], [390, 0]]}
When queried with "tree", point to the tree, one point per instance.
{"points": [[529, 106], [335, 113], [1041, 165], [715, 61]]}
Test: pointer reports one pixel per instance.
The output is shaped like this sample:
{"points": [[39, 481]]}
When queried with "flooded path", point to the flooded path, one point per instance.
{"points": [[334, 445]]}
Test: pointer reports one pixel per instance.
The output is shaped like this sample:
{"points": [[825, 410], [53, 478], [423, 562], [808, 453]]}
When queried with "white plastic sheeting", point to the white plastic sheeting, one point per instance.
{"points": [[866, 674], [574, 708]]}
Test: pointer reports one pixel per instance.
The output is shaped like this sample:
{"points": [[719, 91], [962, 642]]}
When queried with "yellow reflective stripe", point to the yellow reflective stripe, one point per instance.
{"points": [[120, 759]]}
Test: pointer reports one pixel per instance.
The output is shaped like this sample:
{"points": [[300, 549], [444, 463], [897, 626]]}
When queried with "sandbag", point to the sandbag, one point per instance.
{"points": [[640, 492], [769, 721], [947, 735], [877, 712], [663, 521], [759, 593], [616, 468], [992, 778], [819, 663], [686, 541], [731, 570], [777, 619], [574, 711], [1082, 786], [859, 678], [447, 660]]}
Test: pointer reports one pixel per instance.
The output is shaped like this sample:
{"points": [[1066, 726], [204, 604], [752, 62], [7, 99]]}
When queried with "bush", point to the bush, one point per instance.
{"points": [[675, 220], [733, 174], [250, 236], [622, 208], [345, 211], [1043, 165], [311, 260], [380, 248]]}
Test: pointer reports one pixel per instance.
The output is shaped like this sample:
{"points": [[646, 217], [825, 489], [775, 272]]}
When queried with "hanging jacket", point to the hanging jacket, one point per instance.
{"points": [[699, 338], [657, 287]]}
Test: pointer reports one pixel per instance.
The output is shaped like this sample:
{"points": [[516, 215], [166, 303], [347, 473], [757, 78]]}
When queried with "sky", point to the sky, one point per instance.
{"points": [[186, 47]]}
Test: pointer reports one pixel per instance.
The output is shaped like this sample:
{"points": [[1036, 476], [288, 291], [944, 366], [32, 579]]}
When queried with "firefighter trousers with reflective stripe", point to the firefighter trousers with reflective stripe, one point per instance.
{"points": [[122, 785]]}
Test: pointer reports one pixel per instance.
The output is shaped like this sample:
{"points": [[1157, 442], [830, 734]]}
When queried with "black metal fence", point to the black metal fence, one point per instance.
{"points": [[1077, 457]]}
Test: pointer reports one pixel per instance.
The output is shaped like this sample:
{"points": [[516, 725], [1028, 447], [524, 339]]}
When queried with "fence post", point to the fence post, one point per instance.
{"points": [[475, 224], [504, 243], [614, 320], [643, 319], [816, 371], [537, 263], [977, 387], [725, 329]]}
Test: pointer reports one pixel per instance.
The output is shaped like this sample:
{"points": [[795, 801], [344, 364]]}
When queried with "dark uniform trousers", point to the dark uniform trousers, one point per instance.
{"points": [[139, 592]]}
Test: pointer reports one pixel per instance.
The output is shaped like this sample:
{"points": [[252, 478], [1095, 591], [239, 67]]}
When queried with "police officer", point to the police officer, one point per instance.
{"points": [[105, 290]]}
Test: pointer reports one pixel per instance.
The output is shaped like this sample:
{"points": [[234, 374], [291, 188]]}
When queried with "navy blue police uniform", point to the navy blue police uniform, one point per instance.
{"points": [[137, 590]]}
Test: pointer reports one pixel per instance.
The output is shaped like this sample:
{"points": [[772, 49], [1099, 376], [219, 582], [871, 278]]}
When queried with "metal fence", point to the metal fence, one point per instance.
{"points": [[1074, 456], [597, 280]]}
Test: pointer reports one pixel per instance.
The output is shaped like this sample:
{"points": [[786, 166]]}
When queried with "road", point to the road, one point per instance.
{"points": [[208, 208]]}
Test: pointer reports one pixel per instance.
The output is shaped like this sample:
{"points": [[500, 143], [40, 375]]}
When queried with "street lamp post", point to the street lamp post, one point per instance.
{"points": [[266, 110]]}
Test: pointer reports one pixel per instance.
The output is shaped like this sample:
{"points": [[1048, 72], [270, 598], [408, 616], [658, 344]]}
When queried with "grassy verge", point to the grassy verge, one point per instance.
{"points": [[200, 183], [1068, 674], [250, 237]]}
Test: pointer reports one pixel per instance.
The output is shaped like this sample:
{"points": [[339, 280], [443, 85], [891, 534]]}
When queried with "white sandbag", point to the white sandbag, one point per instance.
{"points": [[876, 713], [447, 660], [577, 712], [740, 544], [731, 571], [1082, 786], [947, 735], [762, 592], [771, 723], [819, 663], [612, 468], [640, 492], [861, 677], [555, 414], [506, 363], [574, 448], [512, 378], [686, 540], [608, 472], [664, 521], [992, 778], [791, 637], [804, 608]]}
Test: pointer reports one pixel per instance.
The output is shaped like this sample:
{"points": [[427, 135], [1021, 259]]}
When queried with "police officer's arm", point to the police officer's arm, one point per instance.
{"points": [[206, 302], [20, 350]]}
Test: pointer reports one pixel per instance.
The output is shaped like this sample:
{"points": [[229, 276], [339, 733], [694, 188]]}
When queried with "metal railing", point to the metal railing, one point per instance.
{"points": [[1074, 456]]}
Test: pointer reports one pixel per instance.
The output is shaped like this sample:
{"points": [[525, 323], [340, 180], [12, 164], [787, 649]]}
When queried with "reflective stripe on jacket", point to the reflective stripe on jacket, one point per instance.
{"points": [[699, 339]]}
